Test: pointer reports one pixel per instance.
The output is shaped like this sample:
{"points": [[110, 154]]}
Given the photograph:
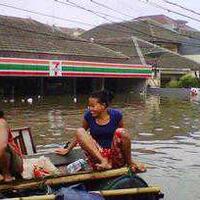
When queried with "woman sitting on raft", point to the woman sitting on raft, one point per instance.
{"points": [[108, 145]]}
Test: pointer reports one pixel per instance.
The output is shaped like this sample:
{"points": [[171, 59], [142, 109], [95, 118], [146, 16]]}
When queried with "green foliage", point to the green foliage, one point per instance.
{"points": [[185, 81], [173, 84]]}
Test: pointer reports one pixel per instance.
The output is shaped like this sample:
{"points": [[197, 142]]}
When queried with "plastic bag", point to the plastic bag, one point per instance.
{"points": [[38, 167]]}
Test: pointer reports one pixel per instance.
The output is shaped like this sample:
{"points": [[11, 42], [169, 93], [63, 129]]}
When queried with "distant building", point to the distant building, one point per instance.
{"points": [[168, 22], [190, 43], [36, 58], [159, 46], [147, 29], [72, 31], [167, 64]]}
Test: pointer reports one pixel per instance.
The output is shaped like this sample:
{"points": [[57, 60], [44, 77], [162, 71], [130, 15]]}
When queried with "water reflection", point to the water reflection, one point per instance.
{"points": [[165, 134], [56, 122], [195, 98]]}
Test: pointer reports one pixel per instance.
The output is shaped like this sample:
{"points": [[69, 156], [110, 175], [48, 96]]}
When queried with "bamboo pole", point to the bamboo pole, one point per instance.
{"points": [[39, 197], [130, 191], [105, 193], [66, 179]]}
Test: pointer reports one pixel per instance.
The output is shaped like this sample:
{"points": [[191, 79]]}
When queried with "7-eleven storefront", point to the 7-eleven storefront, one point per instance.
{"points": [[35, 76]]}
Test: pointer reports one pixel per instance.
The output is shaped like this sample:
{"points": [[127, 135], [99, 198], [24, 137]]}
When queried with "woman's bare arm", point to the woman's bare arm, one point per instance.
{"points": [[73, 143]]}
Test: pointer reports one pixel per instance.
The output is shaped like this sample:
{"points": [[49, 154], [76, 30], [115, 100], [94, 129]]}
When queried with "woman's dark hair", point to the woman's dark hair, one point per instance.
{"points": [[1, 114], [103, 96]]}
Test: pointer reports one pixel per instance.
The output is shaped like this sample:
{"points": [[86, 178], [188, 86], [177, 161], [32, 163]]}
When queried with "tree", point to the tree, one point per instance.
{"points": [[188, 81]]}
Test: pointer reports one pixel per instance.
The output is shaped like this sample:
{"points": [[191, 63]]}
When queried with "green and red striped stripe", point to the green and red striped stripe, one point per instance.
{"points": [[36, 67]]}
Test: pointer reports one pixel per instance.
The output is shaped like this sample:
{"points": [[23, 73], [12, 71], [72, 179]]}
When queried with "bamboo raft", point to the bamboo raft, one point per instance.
{"points": [[148, 193], [93, 180], [69, 179], [105, 193]]}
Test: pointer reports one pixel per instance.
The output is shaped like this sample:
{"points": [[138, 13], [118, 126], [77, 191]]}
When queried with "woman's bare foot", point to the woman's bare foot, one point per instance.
{"points": [[103, 165], [138, 167]]}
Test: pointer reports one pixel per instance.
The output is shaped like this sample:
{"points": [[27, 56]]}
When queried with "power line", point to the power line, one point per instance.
{"points": [[79, 22], [154, 25], [62, 37], [44, 33], [180, 6], [95, 13], [78, 40], [122, 25], [72, 4], [34, 12], [53, 36], [101, 13], [69, 3], [109, 8], [117, 44], [45, 15], [168, 10]]}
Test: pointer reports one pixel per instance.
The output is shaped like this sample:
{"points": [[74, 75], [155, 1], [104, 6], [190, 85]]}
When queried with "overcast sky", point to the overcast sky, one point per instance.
{"points": [[127, 10]]}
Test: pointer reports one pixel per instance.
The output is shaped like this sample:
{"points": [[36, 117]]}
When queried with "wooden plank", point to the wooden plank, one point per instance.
{"points": [[23, 137]]}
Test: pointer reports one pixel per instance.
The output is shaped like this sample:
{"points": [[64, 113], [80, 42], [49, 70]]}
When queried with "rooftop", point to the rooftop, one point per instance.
{"points": [[152, 53], [27, 35], [147, 29]]}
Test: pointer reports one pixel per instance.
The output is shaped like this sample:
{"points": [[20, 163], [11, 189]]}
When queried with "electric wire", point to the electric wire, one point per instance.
{"points": [[45, 15], [79, 22], [168, 10], [182, 7], [122, 25], [64, 37]]}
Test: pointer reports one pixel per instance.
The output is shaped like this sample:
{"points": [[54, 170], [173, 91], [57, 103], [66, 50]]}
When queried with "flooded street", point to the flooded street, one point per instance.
{"points": [[165, 134]]}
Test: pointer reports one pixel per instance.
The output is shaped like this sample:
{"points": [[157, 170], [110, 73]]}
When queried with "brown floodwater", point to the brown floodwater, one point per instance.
{"points": [[165, 134]]}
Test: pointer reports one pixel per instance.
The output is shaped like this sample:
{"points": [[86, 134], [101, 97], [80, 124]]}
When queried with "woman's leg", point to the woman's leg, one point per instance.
{"points": [[5, 159], [126, 145], [90, 146], [17, 164], [121, 151], [11, 164]]}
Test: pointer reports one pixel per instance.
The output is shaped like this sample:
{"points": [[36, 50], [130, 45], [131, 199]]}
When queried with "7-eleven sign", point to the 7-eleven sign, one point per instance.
{"points": [[55, 68]]}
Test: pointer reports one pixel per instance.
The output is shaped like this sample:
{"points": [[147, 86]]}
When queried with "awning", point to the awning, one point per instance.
{"points": [[57, 68]]}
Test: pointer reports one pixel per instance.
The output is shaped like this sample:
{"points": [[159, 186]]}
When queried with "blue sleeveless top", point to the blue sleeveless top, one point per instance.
{"points": [[103, 134]]}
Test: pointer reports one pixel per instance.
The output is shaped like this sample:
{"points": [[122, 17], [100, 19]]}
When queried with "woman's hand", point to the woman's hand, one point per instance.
{"points": [[62, 151]]}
